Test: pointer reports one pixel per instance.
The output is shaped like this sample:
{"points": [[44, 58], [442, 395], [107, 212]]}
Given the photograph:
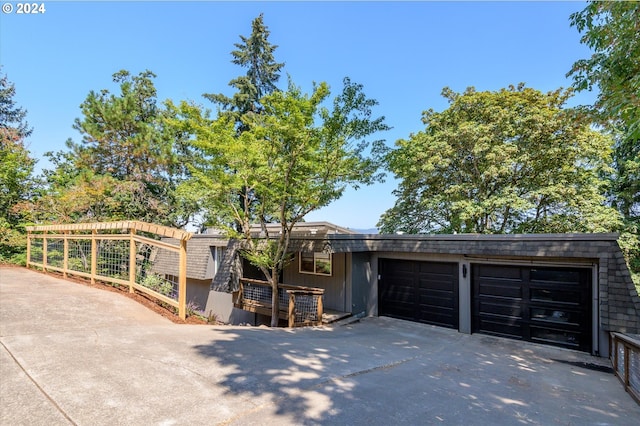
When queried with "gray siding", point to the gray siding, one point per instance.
{"points": [[199, 257], [335, 296], [197, 293], [619, 303], [360, 281]]}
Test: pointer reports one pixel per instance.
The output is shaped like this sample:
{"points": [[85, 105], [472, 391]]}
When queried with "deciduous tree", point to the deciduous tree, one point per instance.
{"points": [[610, 29], [296, 157], [501, 162]]}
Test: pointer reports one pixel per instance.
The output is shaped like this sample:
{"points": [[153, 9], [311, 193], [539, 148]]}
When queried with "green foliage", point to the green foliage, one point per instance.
{"points": [[11, 116], [17, 183], [12, 242], [158, 284], [502, 162], [126, 166], [295, 157], [629, 242], [256, 54], [611, 29]]}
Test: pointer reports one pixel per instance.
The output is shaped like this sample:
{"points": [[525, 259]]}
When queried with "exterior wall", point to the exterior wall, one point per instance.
{"points": [[618, 301], [335, 286], [220, 305], [353, 285], [197, 293], [361, 277]]}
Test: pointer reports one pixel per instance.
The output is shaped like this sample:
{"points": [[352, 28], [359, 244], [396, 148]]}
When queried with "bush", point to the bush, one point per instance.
{"points": [[629, 242]]}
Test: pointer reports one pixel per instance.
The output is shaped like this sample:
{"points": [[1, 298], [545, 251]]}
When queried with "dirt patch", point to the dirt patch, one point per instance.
{"points": [[139, 297]]}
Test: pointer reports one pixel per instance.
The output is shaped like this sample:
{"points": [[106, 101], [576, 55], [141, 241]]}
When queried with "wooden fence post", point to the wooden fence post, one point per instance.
{"points": [[627, 365], [44, 252], [94, 256], [320, 309], [65, 254], [292, 309], [182, 281], [28, 248], [132, 259]]}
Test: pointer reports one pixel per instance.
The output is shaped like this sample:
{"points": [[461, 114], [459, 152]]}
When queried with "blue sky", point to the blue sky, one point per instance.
{"points": [[403, 53]]}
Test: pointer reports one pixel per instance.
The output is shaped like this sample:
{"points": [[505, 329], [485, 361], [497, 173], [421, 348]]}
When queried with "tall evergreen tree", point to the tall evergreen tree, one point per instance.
{"points": [[12, 117], [125, 167], [16, 172], [256, 54]]}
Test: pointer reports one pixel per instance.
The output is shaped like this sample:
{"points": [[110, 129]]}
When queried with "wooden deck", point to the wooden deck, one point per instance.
{"points": [[255, 296]]}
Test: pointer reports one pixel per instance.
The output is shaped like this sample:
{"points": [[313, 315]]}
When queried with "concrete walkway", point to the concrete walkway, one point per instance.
{"points": [[71, 354]]}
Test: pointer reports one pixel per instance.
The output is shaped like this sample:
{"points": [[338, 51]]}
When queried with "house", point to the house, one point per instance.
{"points": [[568, 290]]}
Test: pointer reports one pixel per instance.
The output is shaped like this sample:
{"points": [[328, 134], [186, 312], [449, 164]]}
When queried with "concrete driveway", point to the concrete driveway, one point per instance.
{"points": [[71, 354]]}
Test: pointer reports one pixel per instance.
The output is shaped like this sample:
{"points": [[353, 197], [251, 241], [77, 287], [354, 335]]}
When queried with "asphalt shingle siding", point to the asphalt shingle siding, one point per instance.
{"points": [[199, 257]]}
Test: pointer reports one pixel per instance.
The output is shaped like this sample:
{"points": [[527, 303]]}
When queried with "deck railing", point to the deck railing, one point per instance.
{"points": [[625, 356], [113, 252], [300, 306]]}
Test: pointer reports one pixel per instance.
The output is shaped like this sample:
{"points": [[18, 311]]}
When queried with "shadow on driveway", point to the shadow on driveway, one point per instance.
{"points": [[385, 371], [70, 354]]}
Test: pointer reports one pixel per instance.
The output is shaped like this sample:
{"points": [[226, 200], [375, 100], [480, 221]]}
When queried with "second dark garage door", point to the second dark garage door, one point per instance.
{"points": [[549, 305], [419, 291]]}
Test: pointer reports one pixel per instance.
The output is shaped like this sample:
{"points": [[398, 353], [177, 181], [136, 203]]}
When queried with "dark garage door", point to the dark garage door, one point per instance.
{"points": [[549, 305], [419, 291]]}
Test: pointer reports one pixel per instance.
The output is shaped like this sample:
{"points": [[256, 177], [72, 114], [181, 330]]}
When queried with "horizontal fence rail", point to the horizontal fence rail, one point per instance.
{"points": [[625, 356], [300, 306], [113, 252]]}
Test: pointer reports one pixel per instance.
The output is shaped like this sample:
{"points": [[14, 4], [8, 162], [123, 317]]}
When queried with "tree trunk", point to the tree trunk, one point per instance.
{"points": [[275, 308]]}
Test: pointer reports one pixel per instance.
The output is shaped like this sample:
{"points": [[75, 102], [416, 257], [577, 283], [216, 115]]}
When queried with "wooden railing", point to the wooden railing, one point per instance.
{"points": [[625, 356], [113, 252], [300, 306]]}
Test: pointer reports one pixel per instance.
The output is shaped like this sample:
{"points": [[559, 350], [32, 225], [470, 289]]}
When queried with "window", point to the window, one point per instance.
{"points": [[216, 254], [315, 263]]}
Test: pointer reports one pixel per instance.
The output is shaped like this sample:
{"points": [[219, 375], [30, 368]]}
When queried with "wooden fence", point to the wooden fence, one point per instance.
{"points": [[113, 252], [300, 306], [625, 356]]}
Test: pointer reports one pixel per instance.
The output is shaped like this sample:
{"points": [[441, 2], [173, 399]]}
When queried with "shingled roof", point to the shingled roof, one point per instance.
{"points": [[200, 260]]}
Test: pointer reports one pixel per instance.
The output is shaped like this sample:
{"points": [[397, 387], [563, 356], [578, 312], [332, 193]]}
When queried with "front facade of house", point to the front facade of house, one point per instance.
{"points": [[568, 290]]}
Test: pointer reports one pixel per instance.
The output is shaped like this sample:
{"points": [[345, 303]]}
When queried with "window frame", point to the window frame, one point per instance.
{"points": [[325, 258]]}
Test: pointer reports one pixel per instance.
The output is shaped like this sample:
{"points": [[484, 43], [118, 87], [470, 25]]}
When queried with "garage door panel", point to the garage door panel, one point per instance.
{"points": [[441, 268], [428, 291], [504, 309], [549, 305], [436, 299], [572, 297], [500, 290], [563, 317], [501, 273], [500, 328], [433, 284], [399, 267], [436, 318], [564, 277], [401, 310], [557, 337]]}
